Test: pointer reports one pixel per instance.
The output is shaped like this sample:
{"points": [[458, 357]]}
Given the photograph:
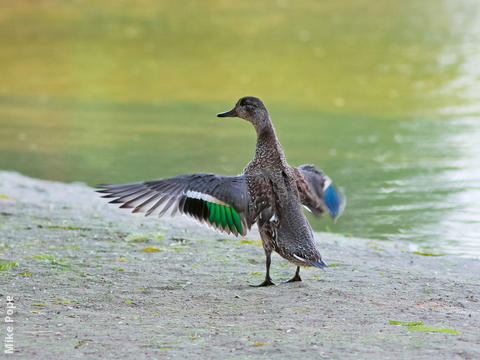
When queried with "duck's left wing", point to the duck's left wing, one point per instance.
{"points": [[218, 201], [317, 191]]}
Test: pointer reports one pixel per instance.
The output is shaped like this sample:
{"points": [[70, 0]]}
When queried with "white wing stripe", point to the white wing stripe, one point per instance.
{"points": [[327, 182], [298, 257], [202, 196]]}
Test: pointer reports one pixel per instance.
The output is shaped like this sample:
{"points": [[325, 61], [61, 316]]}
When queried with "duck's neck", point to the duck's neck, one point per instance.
{"points": [[269, 152]]}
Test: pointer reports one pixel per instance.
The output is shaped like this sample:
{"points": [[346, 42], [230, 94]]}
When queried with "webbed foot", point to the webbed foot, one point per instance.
{"points": [[266, 282], [295, 277]]}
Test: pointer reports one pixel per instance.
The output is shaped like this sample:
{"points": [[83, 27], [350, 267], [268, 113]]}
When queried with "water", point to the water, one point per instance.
{"points": [[386, 102]]}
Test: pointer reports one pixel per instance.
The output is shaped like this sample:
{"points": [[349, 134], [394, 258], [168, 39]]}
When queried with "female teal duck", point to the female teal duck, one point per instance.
{"points": [[269, 192]]}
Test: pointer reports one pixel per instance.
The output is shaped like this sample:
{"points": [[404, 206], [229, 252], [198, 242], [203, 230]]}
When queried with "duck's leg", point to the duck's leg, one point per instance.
{"points": [[268, 280], [296, 277]]}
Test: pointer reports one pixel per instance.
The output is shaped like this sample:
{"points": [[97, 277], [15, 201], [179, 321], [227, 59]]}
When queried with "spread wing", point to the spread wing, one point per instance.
{"points": [[222, 202], [317, 191]]}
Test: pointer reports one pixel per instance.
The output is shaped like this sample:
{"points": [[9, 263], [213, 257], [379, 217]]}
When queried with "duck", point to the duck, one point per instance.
{"points": [[269, 193]]}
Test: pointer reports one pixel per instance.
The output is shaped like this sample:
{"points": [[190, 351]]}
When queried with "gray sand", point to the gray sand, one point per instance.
{"points": [[84, 288]]}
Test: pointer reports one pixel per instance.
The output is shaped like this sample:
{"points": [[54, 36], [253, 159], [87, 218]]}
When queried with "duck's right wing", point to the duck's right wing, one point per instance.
{"points": [[317, 191], [223, 202]]}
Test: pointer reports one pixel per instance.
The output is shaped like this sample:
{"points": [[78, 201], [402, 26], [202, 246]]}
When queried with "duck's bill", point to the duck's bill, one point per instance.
{"points": [[231, 113]]}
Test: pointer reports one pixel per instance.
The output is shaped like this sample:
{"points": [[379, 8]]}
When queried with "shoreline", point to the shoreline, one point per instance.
{"points": [[89, 279]]}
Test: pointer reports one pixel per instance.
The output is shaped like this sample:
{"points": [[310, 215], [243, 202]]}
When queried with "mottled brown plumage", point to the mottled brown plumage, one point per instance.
{"points": [[269, 192]]}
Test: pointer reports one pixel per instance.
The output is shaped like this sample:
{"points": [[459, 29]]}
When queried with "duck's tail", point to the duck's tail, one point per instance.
{"points": [[319, 264]]}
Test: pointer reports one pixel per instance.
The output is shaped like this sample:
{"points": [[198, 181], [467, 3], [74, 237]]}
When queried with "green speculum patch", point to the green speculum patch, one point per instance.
{"points": [[222, 215]]}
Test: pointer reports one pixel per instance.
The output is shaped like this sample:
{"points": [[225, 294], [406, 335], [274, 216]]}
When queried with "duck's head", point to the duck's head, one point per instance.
{"points": [[251, 109]]}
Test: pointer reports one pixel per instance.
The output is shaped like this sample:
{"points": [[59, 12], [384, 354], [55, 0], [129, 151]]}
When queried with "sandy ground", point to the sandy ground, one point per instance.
{"points": [[85, 286]]}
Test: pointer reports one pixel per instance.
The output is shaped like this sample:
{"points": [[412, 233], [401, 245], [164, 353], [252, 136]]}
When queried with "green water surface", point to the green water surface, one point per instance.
{"points": [[384, 96]]}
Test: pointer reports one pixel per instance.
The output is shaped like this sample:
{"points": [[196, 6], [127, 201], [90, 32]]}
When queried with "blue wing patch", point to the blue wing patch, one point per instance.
{"points": [[333, 199]]}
